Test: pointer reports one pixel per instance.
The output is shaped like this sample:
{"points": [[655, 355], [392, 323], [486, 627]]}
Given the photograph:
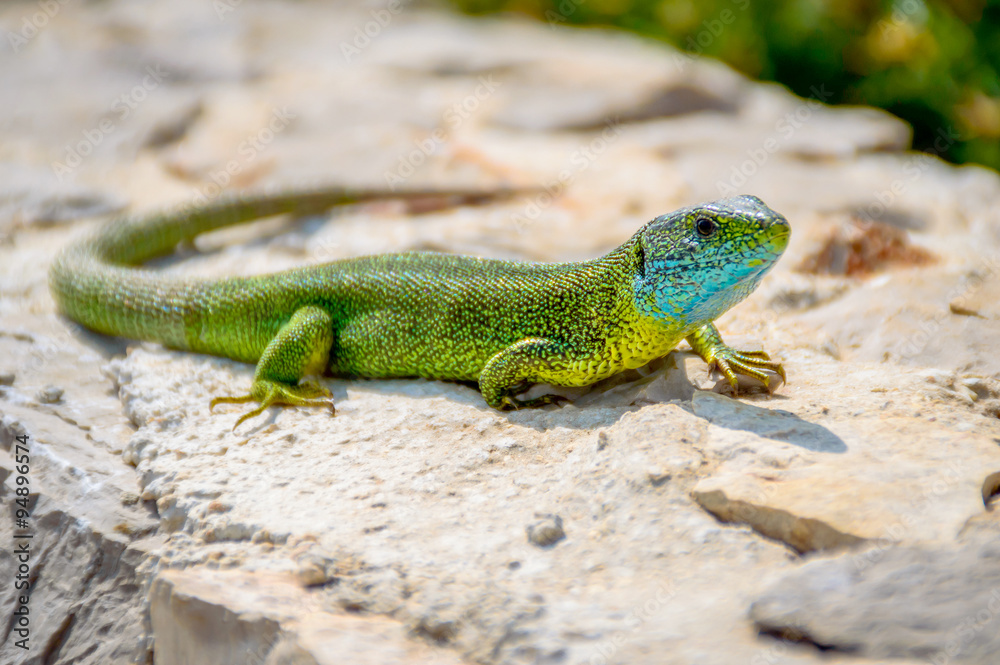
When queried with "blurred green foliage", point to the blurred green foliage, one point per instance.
{"points": [[933, 63]]}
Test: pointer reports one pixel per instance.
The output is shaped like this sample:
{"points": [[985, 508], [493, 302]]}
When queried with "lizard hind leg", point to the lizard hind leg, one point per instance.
{"points": [[509, 369], [269, 393], [301, 347]]}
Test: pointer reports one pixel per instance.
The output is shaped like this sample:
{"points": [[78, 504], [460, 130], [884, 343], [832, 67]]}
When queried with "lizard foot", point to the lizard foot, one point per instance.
{"points": [[269, 393], [731, 362], [510, 403]]}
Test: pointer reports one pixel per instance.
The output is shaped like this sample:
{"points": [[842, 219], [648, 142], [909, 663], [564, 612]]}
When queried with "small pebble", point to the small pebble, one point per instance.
{"points": [[957, 307], [978, 385], [130, 498], [546, 531], [602, 439], [311, 573], [967, 394], [657, 476], [49, 395]]}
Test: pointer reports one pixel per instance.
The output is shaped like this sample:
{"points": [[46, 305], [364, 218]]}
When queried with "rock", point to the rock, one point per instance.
{"points": [[87, 578], [213, 616], [49, 394], [982, 387], [37, 196], [655, 444], [546, 530], [925, 330], [802, 501], [862, 247], [397, 529], [804, 534], [936, 604]]}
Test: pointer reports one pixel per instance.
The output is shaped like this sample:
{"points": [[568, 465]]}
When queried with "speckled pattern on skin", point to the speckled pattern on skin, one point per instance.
{"points": [[504, 324]]}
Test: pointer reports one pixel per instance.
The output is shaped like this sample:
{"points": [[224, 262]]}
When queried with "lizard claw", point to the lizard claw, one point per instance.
{"points": [[269, 393], [731, 362], [512, 403]]}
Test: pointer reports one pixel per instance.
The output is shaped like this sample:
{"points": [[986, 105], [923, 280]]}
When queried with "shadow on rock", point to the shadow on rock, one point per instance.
{"points": [[767, 423]]}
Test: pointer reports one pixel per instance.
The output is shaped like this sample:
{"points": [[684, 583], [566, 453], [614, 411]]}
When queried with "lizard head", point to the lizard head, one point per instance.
{"points": [[697, 262]]}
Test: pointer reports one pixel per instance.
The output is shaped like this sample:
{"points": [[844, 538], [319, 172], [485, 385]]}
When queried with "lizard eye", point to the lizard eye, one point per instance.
{"points": [[706, 227]]}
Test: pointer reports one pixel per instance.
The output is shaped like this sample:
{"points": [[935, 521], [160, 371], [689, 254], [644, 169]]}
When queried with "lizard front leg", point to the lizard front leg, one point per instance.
{"points": [[510, 368], [708, 344], [301, 347]]}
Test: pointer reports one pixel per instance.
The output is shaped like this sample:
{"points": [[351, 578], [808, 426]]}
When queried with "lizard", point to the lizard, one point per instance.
{"points": [[504, 324]]}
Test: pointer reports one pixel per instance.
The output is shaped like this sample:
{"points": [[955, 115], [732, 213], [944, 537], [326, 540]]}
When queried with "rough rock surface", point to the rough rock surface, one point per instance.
{"points": [[271, 618], [638, 524], [940, 604]]}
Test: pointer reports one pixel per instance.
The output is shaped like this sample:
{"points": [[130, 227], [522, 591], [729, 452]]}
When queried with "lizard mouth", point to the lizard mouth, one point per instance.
{"points": [[779, 235]]}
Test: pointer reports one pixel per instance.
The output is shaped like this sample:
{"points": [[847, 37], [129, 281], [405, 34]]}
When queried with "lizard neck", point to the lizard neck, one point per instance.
{"points": [[682, 298]]}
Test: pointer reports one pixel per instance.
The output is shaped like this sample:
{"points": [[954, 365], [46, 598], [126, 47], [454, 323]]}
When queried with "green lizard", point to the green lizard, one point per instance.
{"points": [[504, 324]]}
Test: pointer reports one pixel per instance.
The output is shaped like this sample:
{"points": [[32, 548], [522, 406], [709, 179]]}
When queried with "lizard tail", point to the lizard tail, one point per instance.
{"points": [[95, 281]]}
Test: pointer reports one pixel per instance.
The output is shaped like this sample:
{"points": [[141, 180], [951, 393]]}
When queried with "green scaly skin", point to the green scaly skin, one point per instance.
{"points": [[504, 324]]}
